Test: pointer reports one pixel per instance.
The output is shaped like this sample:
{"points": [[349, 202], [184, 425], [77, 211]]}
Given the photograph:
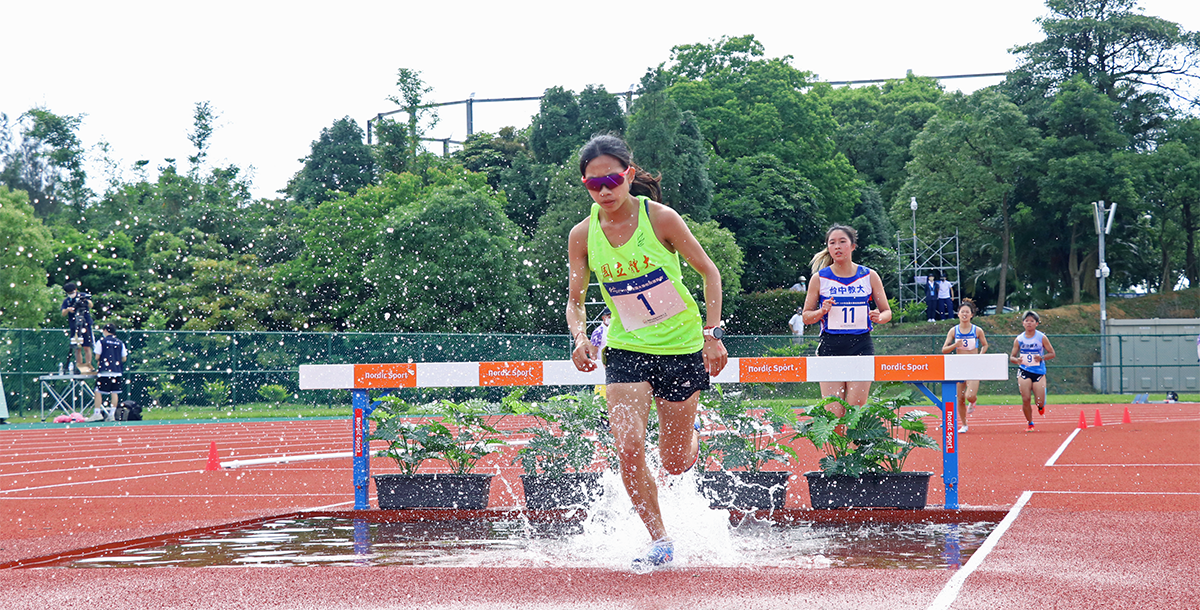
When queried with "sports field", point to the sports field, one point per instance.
{"points": [[1106, 517]]}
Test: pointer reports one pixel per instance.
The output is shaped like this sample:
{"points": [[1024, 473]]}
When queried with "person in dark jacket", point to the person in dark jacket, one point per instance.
{"points": [[111, 354]]}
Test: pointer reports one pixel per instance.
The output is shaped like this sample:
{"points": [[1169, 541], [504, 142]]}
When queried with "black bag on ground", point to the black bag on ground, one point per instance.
{"points": [[129, 411]]}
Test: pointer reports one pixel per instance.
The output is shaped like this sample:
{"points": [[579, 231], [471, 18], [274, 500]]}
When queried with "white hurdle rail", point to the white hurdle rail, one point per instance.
{"points": [[916, 370]]}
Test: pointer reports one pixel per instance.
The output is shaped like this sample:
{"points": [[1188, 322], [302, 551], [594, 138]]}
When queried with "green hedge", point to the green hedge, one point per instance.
{"points": [[765, 313]]}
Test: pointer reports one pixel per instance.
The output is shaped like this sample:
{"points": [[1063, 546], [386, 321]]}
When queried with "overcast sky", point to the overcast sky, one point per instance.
{"points": [[277, 73]]}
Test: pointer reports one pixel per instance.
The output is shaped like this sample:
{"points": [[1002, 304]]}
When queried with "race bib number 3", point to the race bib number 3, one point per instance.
{"points": [[967, 343], [646, 300], [847, 317]]}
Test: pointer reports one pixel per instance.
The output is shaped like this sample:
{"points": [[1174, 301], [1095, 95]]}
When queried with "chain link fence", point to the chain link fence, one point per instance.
{"points": [[174, 368]]}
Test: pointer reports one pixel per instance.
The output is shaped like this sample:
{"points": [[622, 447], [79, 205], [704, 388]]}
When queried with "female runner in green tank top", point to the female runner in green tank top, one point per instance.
{"points": [[658, 349]]}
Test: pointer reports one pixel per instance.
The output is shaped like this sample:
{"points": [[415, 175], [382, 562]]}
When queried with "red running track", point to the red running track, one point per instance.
{"points": [[1112, 522]]}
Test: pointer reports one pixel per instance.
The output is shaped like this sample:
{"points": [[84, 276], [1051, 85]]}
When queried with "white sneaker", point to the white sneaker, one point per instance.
{"points": [[962, 430], [97, 416], [970, 408]]}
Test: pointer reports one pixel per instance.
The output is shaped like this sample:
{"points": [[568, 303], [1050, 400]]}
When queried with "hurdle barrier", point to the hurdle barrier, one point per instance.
{"points": [[914, 370]]}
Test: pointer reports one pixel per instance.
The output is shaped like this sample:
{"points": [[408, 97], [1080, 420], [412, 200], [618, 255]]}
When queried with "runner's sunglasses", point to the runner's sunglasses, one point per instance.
{"points": [[612, 181]]}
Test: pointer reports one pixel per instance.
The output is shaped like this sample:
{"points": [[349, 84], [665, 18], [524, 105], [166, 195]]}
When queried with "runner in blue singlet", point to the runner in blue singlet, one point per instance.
{"points": [[847, 299], [966, 338], [1031, 349]]}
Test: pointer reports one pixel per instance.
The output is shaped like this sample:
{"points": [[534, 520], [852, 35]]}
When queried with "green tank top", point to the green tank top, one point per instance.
{"points": [[652, 311]]}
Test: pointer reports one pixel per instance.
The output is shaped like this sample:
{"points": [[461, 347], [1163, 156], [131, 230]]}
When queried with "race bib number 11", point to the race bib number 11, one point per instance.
{"points": [[847, 317], [646, 300]]}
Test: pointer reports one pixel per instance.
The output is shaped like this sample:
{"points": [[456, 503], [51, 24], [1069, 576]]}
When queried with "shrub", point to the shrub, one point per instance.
{"points": [[765, 313], [273, 393], [217, 393], [166, 394]]}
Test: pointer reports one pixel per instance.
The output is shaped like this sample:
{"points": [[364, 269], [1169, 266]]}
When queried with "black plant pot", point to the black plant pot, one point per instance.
{"points": [[743, 489], [883, 490], [570, 490], [441, 490]]}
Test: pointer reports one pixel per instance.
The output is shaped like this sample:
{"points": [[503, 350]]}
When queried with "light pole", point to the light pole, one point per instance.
{"points": [[1103, 227], [912, 205]]}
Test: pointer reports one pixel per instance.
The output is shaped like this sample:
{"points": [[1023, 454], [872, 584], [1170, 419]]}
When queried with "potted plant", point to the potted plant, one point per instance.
{"points": [[458, 434], [573, 432], [742, 441], [865, 451]]}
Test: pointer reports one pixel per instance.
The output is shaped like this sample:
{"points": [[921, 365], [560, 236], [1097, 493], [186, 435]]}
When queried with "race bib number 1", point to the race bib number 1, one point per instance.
{"points": [[646, 300], [847, 317]]}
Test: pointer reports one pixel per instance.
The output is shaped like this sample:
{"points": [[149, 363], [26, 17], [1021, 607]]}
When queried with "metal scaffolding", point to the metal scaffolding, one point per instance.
{"points": [[915, 259]]}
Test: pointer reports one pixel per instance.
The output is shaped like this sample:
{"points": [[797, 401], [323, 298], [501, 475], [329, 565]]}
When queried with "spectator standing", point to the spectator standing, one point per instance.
{"points": [[945, 299], [796, 323], [931, 301], [111, 354]]}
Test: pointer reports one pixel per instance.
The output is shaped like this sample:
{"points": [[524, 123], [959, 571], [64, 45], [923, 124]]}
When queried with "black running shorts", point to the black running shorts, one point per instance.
{"points": [[673, 378]]}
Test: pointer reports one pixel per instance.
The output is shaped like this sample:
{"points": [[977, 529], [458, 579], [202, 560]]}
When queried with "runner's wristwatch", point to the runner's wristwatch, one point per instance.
{"points": [[716, 332]]}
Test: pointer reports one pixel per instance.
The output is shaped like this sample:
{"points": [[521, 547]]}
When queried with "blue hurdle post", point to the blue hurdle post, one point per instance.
{"points": [[949, 408], [361, 403]]}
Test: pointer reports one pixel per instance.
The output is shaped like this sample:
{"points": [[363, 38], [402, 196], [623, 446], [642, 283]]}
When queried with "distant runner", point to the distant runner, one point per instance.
{"points": [[966, 338], [1031, 349]]}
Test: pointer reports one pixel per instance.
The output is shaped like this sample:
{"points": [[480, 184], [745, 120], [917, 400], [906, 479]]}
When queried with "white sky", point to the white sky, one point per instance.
{"points": [[280, 72]]}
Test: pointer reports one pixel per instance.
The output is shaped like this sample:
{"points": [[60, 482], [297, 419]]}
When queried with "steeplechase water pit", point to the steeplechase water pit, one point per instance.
{"points": [[600, 536], [603, 535]]}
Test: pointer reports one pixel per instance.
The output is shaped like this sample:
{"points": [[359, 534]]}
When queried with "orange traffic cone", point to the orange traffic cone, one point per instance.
{"points": [[1098, 422], [1125, 418], [1082, 420], [214, 462]]}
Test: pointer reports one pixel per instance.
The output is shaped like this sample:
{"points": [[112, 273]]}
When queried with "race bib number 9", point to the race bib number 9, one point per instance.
{"points": [[646, 300], [1028, 359], [967, 343], [847, 317]]}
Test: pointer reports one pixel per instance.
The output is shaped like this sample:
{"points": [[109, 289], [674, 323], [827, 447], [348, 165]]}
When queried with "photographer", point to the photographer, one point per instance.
{"points": [[77, 308]]}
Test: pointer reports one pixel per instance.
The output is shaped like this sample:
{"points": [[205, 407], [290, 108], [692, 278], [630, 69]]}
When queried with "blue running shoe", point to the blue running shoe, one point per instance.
{"points": [[661, 553]]}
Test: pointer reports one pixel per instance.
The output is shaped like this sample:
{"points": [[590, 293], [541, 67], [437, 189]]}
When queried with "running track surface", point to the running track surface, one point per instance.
{"points": [[1109, 520]]}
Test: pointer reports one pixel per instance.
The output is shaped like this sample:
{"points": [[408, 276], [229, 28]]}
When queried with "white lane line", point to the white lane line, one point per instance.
{"points": [[1118, 465], [152, 497], [74, 483], [328, 506], [283, 459], [950, 591], [1125, 493], [1062, 447]]}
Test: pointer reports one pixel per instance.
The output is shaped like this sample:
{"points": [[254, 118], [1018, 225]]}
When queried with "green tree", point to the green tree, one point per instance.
{"points": [[1134, 59], [340, 161], [490, 154], [339, 237], [877, 124], [554, 134], [772, 210], [421, 117], [747, 105], [667, 141], [721, 246], [1081, 165], [599, 112], [966, 165], [202, 130], [448, 262], [567, 204], [48, 164], [25, 247]]}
